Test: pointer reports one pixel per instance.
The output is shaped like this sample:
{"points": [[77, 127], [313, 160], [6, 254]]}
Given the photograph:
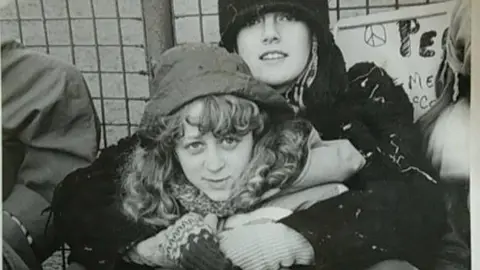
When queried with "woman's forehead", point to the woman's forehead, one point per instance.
{"points": [[261, 11], [277, 11]]}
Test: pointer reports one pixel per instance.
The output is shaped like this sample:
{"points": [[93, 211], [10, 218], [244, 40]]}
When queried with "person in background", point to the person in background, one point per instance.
{"points": [[49, 128], [446, 136]]}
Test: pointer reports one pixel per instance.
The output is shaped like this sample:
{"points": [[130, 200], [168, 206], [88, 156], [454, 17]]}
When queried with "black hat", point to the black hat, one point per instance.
{"points": [[233, 14]]}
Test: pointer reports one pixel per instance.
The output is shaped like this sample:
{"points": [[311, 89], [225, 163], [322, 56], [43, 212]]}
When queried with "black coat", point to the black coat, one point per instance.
{"points": [[393, 210]]}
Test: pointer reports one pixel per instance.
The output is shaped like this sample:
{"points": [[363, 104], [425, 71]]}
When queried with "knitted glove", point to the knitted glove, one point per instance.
{"points": [[192, 244], [189, 243], [150, 252], [266, 246]]}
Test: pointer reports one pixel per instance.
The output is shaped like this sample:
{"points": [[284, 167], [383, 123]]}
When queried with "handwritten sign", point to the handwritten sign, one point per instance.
{"points": [[407, 43]]}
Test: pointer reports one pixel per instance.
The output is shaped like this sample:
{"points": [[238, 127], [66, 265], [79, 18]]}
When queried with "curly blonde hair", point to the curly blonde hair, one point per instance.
{"points": [[276, 159]]}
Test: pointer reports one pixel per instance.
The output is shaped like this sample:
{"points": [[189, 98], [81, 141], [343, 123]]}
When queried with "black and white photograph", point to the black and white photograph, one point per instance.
{"points": [[237, 134]]}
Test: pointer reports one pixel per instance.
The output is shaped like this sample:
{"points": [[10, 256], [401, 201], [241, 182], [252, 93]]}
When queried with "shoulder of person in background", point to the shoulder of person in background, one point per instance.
{"points": [[49, 128]]}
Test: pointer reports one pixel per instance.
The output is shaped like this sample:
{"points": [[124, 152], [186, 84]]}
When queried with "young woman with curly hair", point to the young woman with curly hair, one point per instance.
{"points": [[213, 143]]}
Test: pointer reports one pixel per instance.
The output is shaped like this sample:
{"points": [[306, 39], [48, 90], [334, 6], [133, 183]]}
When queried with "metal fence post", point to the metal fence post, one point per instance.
{"points": [[158, 21]]}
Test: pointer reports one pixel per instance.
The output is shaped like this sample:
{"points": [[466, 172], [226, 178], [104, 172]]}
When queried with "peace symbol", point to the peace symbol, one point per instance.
{"points": [[375, 35]]}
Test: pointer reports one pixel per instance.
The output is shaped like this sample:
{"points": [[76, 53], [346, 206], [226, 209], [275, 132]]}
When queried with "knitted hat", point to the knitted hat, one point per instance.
{"points": [[233, 14], [190, 71]]}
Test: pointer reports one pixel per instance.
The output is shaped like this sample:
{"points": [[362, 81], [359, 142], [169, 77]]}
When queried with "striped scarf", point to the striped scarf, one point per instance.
{"points": [[294, 94]]}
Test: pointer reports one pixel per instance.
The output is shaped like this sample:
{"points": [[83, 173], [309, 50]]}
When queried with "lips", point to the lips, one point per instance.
{"points": [[218, 183], [273, 55], [215, 180]]}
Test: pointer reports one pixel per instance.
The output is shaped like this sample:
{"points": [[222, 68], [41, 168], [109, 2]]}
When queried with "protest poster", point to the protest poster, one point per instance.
{"points": [[408, 43]]}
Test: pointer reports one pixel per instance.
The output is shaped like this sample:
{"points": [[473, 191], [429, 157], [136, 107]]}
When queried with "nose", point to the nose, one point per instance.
{"points": [[214, 162], [270, 31]]}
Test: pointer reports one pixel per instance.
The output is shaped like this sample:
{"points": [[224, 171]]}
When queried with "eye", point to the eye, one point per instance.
{"points": [[195, 147], [286, 17], [229, 142], [254, 21]]}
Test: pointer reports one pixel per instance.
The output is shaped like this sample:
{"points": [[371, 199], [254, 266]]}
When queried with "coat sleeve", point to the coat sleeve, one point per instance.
{"points": [[87, 211], [394, 209], [362, 227], [49, 128]]}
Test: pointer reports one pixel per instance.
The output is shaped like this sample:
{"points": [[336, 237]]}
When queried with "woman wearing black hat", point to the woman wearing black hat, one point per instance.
{"points": [[392, 210]]}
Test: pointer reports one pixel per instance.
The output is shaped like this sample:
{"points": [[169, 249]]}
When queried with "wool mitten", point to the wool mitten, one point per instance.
{"points": [[192, 244], [266, 246], [189, 243]]}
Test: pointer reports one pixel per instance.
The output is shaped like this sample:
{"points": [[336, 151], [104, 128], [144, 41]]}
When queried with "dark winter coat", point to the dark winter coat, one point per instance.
{"points": [[394, 209]]}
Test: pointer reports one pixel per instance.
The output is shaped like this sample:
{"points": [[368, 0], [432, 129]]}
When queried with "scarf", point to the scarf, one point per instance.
{"points": [[194, 200], [294, 94]]}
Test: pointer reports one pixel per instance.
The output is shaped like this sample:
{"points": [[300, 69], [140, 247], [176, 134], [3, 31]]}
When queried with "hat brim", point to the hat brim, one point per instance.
{"points": [[221, 83]]}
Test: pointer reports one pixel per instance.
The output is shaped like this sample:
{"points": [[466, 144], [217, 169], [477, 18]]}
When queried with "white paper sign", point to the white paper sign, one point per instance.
{"points": [[407, 43]]}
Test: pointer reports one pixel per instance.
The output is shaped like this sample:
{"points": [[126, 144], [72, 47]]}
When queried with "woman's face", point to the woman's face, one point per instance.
{"points": [[211, 164], [276, 47]]}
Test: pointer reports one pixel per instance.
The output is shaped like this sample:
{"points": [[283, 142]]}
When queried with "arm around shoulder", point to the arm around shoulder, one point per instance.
{"points": [[388, 220]]}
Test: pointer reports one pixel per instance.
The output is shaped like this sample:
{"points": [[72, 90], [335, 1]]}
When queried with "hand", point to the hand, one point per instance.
{"points": [[266, 246], [150, 252], [190, 242], [350, 160]]}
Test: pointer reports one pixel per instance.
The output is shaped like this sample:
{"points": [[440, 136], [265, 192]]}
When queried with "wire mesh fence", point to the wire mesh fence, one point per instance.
{"points": [[106, 40], [197, 20], [103, 38]]}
